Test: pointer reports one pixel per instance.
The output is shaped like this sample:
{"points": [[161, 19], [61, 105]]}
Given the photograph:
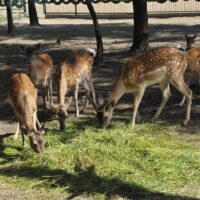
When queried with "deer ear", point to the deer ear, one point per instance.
{"points": [[41, 129], [49, 106], [52, 108], [194, 36], [58, 41], [23, 130], [186, 36], [110, 105]]}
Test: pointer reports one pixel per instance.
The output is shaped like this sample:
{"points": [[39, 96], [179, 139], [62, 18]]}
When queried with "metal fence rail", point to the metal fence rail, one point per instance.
{"points": [[180, 6]]}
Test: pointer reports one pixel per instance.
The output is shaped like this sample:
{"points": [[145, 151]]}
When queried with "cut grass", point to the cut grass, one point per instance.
{"points": [[139, 163]]}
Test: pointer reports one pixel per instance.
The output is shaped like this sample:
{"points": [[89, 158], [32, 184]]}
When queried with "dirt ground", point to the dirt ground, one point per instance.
{"points": [[117, 38]]}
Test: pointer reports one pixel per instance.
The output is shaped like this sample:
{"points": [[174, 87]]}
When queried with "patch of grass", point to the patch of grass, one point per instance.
{"points": [[121, 162]]}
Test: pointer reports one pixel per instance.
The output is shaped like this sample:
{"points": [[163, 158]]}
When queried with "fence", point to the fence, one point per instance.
{"points": [[180, 7]]}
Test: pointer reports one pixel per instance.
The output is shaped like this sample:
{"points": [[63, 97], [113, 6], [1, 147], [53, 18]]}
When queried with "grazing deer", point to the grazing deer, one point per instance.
{"points": [[76, 69], [40, 70], [160, 65], [22, 95]]}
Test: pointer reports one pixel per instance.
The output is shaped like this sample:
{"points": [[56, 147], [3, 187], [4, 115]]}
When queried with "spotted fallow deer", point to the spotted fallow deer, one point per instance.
{"points": [[40, 70], [22, 95], [75, 70], [160, 65]]}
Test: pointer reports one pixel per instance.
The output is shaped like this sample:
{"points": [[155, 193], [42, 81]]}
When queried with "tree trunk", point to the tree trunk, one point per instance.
{"points": [[9, 18], [99, 56], [32, 13], [141, 31]]}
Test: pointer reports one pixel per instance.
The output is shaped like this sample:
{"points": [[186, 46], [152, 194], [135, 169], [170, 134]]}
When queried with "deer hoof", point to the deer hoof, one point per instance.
{"points": [[14, 137]]}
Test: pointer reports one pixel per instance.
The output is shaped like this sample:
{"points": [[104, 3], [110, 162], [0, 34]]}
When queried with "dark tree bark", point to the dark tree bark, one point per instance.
{"points": [[32, 13], [9, 18], [99, 56], [141, 31]]}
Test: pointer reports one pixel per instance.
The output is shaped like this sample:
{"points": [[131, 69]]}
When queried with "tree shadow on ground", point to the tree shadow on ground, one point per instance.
{"points": [[87, 182], [104, 76], [115, 31]]}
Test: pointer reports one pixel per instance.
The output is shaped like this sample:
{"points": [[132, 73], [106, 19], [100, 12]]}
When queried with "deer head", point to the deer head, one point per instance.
{"points": [[59, 112], [36, 141], [190, 40], [35, 138], [28, 51], [104, 110]]}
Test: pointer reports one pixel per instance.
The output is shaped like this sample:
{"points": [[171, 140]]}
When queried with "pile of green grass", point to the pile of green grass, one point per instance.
{"points": [[121, 162]]}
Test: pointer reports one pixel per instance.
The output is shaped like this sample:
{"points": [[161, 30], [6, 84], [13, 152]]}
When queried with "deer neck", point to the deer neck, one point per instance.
{"points": [[61, 92], [117, 92]]}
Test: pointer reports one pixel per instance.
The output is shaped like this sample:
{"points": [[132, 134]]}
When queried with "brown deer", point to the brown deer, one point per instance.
{"points": [[76, 69], [160, 65], [22, 95], [40, 70], [192, 72]]}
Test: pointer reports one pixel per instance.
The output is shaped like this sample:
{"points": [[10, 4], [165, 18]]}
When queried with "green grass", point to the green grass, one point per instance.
{"points": [[142, 162]]}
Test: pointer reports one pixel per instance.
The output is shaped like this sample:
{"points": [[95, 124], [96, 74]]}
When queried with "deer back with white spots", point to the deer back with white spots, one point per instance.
{"points": [[160, 65]]}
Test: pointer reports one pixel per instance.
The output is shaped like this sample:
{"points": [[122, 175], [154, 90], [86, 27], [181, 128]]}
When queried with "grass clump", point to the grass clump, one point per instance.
{"points": [[142, 162]]}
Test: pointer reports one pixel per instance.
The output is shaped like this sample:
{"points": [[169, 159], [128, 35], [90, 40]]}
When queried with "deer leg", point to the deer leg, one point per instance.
{"points": [[90, 82], [87, 90], [137, 99], [182, 87], [76, 99], [164, 86], [43, 96], [38, 123], [183, 99], [23, 138], [15, 136], [88, 85], [50, 91], [86, 101]]}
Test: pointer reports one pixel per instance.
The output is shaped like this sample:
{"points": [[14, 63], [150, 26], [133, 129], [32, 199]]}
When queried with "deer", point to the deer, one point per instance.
{"points": [[40, 70], [22, 96], [163, 66], [190, 39], [192, 72], [75, 70]]}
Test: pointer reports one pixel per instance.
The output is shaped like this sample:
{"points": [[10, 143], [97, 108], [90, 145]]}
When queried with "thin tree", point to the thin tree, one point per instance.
{"points": [[10, 18], [141, 30], [32, 13], [99, 56]]}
